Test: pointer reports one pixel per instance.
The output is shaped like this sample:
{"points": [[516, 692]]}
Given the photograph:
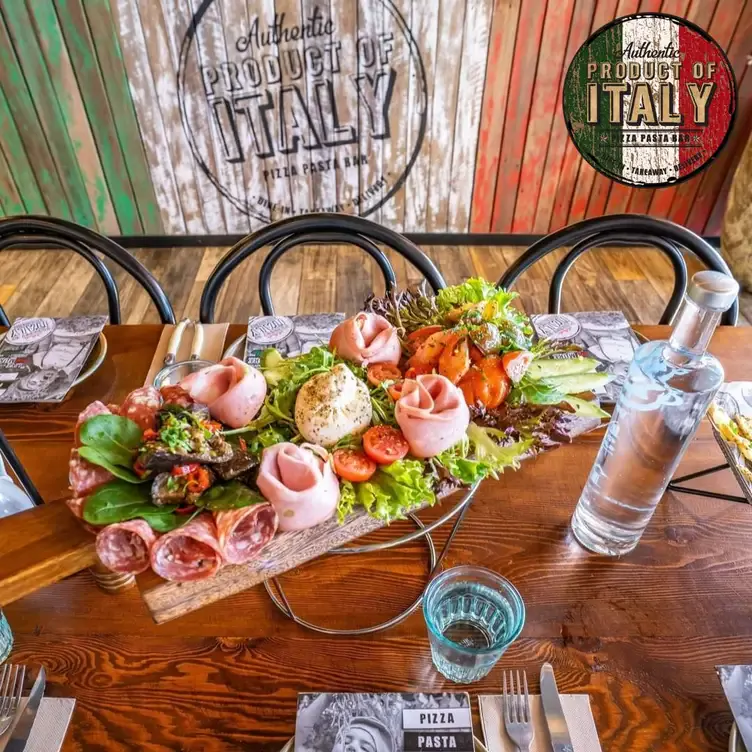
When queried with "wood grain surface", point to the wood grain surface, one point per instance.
{"points": [[640, 634]]}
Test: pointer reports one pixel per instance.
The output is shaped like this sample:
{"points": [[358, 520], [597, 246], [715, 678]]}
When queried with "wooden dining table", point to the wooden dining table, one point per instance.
{"points": [[641, 634]]}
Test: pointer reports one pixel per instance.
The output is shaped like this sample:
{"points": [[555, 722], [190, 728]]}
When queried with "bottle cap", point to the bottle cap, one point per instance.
{"points": [[715, 291]]}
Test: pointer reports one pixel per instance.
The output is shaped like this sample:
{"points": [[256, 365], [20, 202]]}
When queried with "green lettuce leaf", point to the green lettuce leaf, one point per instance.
{"points": [[118, 501], [103, 459], [391, 493], [468, 464], [474, 290], [486, 448]]}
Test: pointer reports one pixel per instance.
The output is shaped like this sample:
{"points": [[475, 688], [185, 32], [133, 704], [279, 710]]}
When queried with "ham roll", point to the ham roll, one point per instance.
{"points": [[367, 338], [85, 477], [189, 553], [232, 390], [124, 547], [432, 414], [142, 406], [299, 483], [244, 532]]}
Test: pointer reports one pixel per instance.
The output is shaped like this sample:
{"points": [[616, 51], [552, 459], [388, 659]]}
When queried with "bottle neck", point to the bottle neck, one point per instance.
{"points": [[693, 328]]}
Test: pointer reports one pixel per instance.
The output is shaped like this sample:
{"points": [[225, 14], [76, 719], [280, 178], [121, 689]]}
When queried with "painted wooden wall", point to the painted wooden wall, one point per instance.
{"points": [[190, 116]]}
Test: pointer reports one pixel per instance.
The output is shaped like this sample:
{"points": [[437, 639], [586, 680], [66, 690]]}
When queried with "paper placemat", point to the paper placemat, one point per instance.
{"points": [[212, 349], [577, 712], [50, 725]]}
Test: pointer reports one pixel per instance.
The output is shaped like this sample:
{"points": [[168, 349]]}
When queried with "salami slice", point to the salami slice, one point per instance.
{"points": [[76, 505], [124, 547], [95, 408], [172, 394], [244, 532], [142, 406], [85, 477], [189, 553]]}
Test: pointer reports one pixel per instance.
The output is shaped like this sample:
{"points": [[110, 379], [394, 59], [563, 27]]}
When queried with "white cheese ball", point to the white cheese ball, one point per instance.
{"points": [[332, 405]]}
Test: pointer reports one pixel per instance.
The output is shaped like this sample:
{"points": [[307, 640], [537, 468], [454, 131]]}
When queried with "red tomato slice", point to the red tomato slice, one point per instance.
{"points": [[353, 465], [380, 372], [395, 390], [384, 444], [419, 336], [414, 371], [516, 364]]}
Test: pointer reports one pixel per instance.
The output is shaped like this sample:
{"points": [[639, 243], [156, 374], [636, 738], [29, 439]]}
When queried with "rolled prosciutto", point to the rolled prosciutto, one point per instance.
{"points": [[124, 547], [232, 390], [244, 532], [432, 414], [189, 553], [366, 338], [142, 406], [84, 477], [95, 408], [299, 483]]}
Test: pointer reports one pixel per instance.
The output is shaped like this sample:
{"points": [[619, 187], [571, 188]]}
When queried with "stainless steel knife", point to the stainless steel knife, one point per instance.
{"points": [[22, 729], [552, 710]]}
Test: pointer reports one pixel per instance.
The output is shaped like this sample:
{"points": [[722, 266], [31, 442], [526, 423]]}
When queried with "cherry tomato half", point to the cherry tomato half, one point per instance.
{"points": [[353, 465], [384, 444], [380, 372]]}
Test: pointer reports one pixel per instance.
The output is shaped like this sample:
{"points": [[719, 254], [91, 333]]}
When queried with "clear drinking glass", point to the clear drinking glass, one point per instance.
{"points": [[472, 615], [6, 638]]}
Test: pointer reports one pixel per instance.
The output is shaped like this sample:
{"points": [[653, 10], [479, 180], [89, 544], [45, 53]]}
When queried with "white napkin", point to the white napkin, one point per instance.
{"points": [[577, 712], [50, 725]]}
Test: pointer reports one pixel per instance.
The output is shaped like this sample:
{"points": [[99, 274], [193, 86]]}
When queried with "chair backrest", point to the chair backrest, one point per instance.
{"points": [[50, 232], [630, 229], [310, 229]]}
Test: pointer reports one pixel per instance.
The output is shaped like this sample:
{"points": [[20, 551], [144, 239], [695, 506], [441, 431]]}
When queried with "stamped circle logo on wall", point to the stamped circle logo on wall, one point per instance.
{"points": [[649, 99], [288, 111]]}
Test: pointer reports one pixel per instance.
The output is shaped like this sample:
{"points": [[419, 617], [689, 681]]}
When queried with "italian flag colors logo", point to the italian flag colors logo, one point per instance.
{"points": [[649, 99]]}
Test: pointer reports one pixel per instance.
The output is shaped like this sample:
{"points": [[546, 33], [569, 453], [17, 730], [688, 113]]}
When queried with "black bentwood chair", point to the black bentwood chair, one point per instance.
{"points": [[48, 232], [623, 229], [312, 229]]}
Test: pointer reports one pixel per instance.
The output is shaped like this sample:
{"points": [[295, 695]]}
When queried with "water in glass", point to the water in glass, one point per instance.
{"points": [[668, 389], [6, 638]]}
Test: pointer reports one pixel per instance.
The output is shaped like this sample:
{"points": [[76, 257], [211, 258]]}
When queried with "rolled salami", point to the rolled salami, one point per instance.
{"points": [[95, 408], [142, 406], [76, 506], [124, 547], [189, 553], [84, 477], [244, 532]]}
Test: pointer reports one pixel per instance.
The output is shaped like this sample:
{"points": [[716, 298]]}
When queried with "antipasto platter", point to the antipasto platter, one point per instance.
{"points": [[238, 473]]}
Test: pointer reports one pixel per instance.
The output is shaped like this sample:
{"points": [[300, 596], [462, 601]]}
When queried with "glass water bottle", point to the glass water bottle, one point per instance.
{"points": [[669, 387]]}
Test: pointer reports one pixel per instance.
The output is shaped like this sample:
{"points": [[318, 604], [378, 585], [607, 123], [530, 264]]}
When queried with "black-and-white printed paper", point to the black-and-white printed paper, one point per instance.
{"points": [[40, 358], [410, 722], [291, 335], [737, 685], [603, 335]]}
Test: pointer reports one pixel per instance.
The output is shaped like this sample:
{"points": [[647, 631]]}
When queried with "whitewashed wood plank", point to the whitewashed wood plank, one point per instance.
{"points": [[150, 123], [469, 101]]}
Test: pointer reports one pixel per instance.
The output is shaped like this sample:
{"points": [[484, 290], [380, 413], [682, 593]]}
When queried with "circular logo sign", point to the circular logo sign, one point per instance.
{"points": [[301, 111], [557, 326], [649, 99], [268, 330]]}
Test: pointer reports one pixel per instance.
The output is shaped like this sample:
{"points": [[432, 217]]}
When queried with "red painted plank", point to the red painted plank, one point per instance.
{"points": [[547, 83], [559, 138], [726, 24], [526, 49], [493, 112]]}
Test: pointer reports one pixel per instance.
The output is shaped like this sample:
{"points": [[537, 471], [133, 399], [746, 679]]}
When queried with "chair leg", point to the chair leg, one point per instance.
{"points": [[20, 472]]}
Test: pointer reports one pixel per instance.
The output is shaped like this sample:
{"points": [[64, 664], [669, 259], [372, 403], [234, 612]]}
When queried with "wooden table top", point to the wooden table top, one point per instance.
{"points": [[641, 635]]}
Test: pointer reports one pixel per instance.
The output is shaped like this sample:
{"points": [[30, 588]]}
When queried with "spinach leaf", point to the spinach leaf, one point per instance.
{"points": [[118, 436], [105, 459], [118, 501], [232, 495]]}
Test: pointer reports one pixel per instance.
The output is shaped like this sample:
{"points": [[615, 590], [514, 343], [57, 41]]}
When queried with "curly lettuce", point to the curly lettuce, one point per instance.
{"points": [[392, 492]]}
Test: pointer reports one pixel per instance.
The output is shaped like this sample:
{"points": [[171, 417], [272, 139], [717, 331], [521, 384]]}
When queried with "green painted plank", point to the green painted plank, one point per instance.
{"points": [[110, 59], [80, 45], [17, 165], [28, 126], [40, 86]]}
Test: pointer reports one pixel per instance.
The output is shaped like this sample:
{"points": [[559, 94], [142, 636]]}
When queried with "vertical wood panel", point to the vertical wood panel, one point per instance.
{"points": [[526, 50], [548, 82], [469, 101]]}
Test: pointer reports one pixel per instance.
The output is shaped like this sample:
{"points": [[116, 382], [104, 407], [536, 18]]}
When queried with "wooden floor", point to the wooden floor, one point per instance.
{"points": [[321, 278]]}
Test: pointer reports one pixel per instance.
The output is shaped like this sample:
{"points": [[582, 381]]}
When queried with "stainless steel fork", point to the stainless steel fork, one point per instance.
{"points": [[517, 719], [11, 687]]}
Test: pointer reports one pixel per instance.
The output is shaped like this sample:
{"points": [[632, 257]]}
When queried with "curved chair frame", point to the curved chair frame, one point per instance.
{"points": [[319, 224], [626, 226]]}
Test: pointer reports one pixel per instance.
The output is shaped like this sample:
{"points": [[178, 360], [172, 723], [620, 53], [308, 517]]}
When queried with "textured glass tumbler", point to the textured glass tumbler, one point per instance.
{"points": [[472, 615], [6, 638]]}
